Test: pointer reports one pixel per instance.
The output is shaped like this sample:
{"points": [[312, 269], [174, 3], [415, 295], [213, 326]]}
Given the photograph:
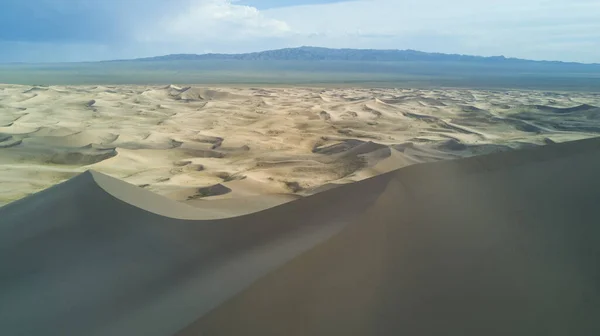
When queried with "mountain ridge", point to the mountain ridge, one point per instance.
{"points": [[308, 53]]}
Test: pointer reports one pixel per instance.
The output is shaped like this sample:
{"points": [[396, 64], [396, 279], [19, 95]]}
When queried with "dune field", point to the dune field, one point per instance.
{"points": [[263, 146], [471, 212]]}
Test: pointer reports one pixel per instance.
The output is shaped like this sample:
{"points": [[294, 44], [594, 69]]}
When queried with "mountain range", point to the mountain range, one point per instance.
{"points": [[306, 53], [318, 66]]}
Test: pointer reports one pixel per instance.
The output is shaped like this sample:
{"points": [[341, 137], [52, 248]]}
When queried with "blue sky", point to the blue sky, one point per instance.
{"points": [[87, 30]]}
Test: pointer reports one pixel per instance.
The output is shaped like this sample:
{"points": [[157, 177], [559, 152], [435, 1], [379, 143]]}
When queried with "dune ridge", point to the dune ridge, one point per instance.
{"points": [[504, 243]]}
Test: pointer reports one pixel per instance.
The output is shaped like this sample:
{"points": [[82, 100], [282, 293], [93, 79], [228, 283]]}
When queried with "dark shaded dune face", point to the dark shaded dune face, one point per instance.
{"points": [[527, 128], [5, 137], [394, 101], [186, 165], [582, 127], [235, 150], [36, 89], [543, 111], [215, 190], [593, 114], [433, 151], [481, 246], [456, 145], [201, 153], [70, 139], [7, 141], [216, 141], [351, 155], [403, 147], [377, 155], [468, 112], [200, 94], [432, 102], [453, 145], [338, 148], [324, 115], [85, 156], [476, 121], [471, 109], [190, 94], [163, 145], [363, 148], [501, 106], [579, 108], [582, 118], [11, 114], [525, 115], [294, 187], [37, 153]]}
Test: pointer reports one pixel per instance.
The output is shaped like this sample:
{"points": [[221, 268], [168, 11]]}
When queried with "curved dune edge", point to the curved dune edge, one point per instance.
{"points": [[156, 204], [149, 201], [509, 238], [163, 206]]}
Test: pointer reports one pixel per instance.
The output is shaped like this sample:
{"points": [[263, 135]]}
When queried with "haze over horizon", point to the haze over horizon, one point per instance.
{"points": [[89, 30]]}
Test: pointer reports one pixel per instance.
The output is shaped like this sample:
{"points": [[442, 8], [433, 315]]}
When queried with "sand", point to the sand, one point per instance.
{"points": [[132, 210], [498, 244], [248, 149]]}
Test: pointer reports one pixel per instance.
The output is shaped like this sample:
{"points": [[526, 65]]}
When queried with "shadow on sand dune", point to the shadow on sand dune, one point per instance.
{"points": [[501, 244]]}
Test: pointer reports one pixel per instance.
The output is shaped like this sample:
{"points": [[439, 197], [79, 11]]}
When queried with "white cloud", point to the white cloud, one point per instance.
{"points": [[537, 29], [213, 21], [518, 28]]}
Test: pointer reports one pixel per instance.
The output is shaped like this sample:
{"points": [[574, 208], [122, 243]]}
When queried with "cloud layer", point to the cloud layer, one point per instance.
{"points": [[208, 20], [68, 30]]}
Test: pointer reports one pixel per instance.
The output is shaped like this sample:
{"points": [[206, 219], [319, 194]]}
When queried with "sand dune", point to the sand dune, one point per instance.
{"points": [[195, 144], [499, 244]]}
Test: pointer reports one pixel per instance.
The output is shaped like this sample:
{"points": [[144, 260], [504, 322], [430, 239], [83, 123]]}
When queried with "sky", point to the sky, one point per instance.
{"points": [[91, 30]]}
